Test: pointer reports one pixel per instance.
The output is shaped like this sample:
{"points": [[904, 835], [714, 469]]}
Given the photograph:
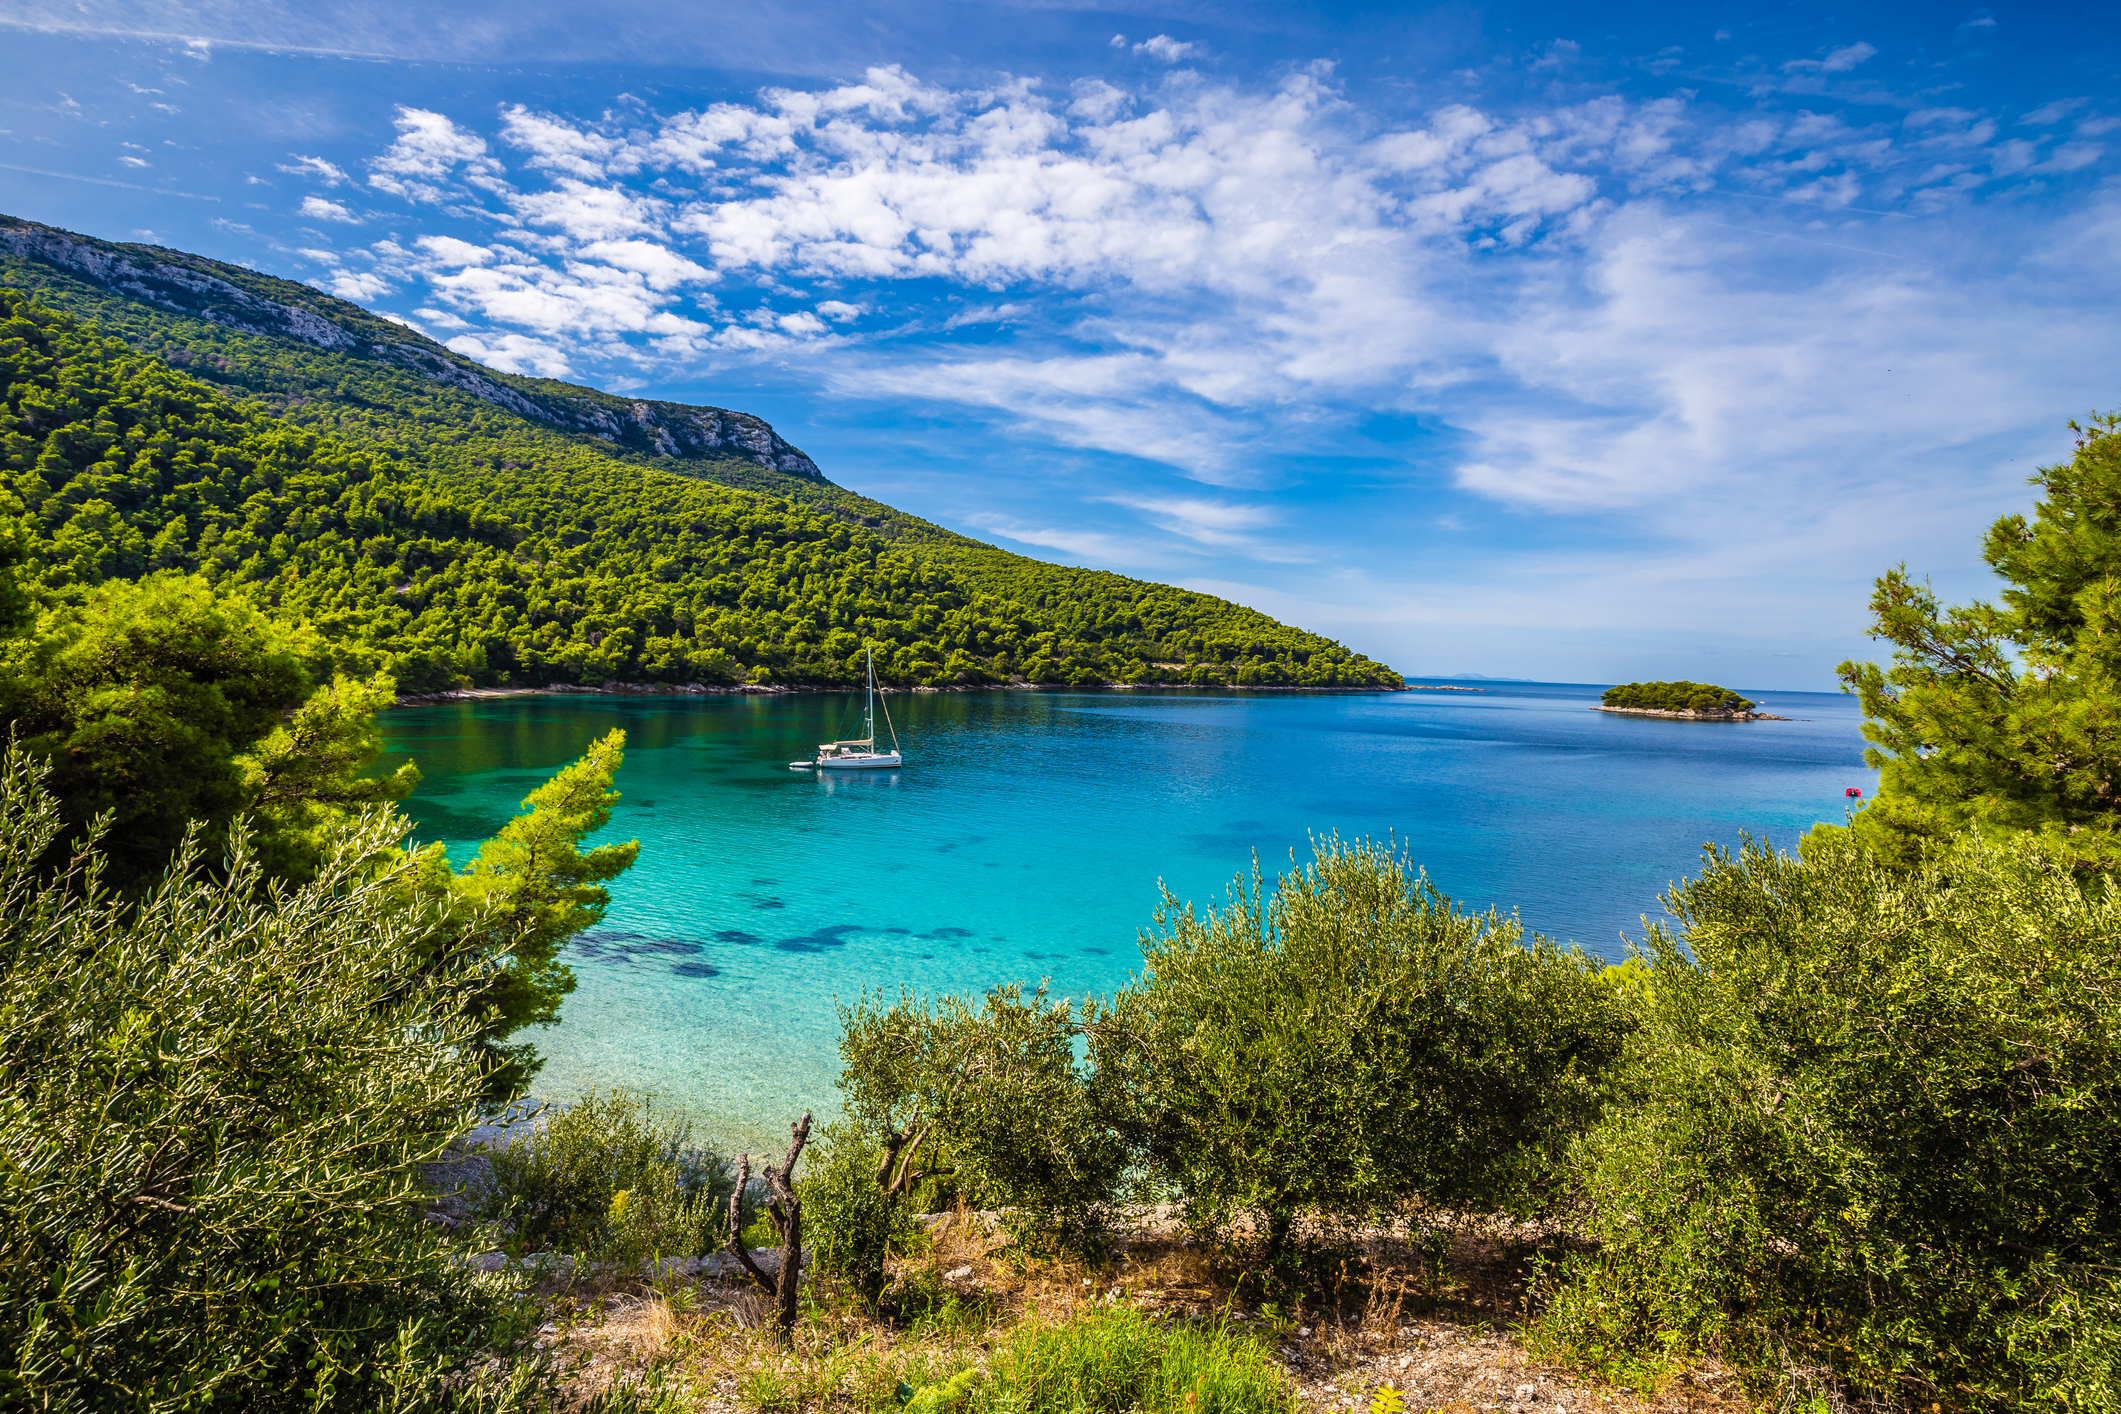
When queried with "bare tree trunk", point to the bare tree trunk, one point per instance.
{"points": [[786, 1211]]}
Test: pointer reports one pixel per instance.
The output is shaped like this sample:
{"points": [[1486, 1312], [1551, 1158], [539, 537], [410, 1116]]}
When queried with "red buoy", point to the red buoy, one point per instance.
{"points": [[1852, 791]]}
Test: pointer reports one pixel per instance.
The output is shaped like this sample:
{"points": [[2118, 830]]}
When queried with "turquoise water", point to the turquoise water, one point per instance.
{"points": [[1027, 834]]}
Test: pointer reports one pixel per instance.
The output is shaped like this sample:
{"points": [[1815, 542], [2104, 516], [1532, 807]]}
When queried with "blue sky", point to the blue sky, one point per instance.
{"points": [[1559, 341]]}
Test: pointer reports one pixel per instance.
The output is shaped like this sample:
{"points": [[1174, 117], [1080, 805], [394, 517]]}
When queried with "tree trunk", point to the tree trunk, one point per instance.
{"points": [[786, 1211]]}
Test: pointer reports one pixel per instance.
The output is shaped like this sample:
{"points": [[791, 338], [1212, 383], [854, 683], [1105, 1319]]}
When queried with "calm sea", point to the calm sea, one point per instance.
{"points": [[1029, 831]]}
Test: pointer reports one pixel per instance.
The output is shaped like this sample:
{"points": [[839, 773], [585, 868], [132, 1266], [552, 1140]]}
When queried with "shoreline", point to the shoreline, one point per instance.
{"points": [[1693, 716], [700, 689]]}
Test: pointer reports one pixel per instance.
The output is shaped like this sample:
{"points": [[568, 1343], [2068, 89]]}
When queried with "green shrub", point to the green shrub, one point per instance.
{"points": [[1872, 1129], [847, 1216], [1352, 1045], [606, 1177], [985, 1095], [1117, 1361], [214, 1102]]}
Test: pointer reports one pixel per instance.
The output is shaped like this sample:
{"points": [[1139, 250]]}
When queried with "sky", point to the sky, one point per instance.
{"points": [[1544, 340]]}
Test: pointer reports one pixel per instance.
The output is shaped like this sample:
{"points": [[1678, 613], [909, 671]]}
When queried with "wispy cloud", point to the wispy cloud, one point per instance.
{"points": [[316, 208]]}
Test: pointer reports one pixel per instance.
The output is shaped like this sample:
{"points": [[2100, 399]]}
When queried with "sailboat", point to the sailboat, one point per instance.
{"points": [[860, 754]]}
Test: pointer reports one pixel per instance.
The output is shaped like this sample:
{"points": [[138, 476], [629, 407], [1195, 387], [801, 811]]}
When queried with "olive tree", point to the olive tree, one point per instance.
{"points": [[985, 1095], [215, 1098], [1348, 1044], [1873, 1129]]}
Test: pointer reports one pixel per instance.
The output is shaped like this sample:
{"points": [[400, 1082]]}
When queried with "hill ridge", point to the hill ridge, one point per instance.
{"points": [[504, 467]]}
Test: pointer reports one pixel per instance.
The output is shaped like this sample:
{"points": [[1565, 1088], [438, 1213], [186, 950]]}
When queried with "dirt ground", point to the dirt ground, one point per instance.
{"points": [[1441, 1340]]}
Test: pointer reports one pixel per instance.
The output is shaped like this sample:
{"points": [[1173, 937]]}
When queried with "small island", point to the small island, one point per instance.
{"points": [[1695, 701]]}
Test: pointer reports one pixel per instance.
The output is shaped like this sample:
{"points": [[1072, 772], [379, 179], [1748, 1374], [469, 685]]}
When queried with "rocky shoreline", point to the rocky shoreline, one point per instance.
{"points": [[700, 689], [1694, 716]]}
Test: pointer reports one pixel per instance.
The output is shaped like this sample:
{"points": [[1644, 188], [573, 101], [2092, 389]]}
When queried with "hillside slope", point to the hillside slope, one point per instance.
{"points": [[570, 535]]}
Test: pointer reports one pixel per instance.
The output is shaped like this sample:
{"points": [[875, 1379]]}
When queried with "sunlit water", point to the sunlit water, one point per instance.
{"points": [[1027, 834]]}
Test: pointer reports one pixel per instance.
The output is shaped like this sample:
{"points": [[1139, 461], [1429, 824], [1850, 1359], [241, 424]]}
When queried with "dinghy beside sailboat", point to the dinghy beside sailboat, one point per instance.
{"points": [[859, 753]]}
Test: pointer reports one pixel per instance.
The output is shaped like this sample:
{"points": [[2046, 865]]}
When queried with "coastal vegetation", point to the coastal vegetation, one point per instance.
{"points": [[1999, 718], [1847, 1127], [1698, 697]]}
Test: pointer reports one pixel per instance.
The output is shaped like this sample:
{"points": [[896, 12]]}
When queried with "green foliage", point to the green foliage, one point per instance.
{"points": [[2008, 718], [161, 702], [1871, 1129], [606, 1177], [1119, 1360], [988, 1094], [213, 1105], [847, 1215], [1352, 1045], [1675, 697], [449, 538], [530, 889]]}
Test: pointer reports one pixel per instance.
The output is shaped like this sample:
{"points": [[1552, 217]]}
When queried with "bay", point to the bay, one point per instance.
{"points": [[1028, 834]]}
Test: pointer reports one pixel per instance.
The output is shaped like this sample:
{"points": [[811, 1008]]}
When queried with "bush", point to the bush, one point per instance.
{"points": [[606, 1177], [987, 1096], [1352, 1046], [1115, 1362], [1873, 1127], [850, 1220], [214, 1102]]}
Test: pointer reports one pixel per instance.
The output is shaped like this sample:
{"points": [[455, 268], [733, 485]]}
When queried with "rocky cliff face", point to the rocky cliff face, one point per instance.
{"points": [[243, 300]]}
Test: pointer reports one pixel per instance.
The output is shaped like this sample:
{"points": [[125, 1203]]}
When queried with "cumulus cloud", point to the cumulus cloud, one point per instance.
{"points": [[318, 209], [360, 286], [514, 353], [430, 151]]}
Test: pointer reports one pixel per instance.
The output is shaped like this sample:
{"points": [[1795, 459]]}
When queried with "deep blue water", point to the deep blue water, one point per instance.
{"points": [[1028, 832]]}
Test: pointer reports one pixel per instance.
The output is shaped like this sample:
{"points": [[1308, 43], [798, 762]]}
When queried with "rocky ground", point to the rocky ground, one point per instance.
{"points": [[1444, 1344]]}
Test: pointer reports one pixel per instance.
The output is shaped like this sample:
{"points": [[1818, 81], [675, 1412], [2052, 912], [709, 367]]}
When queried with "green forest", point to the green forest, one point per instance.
{"points": [[533, 535], [1675, 697]]}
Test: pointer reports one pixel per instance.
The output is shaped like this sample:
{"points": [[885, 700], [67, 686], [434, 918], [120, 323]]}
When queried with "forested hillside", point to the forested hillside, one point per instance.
{"points": [[454, 525]]}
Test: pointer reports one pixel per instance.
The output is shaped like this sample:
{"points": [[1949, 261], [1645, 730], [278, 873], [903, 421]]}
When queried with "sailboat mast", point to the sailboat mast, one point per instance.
{"points": [[869, 704]]}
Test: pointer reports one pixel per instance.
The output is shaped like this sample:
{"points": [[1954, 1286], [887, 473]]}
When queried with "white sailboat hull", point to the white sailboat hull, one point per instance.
{"points": [[861, 761], [843, 755]]}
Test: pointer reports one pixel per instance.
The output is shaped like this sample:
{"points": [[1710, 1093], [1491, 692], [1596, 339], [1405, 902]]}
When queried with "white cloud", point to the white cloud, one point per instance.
{"points": [[1592, 301], [133, 161], [557, 146], [1837, 61], [359, 286], [318, 209], [1221, 524], [1164, 47], [513, 353], [590, 213], [441, 318], [428, 151], [1088, 545], [316, 169]]}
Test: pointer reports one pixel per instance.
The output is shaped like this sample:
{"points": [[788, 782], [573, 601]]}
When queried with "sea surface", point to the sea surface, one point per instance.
{"points": [[1029, 833]]}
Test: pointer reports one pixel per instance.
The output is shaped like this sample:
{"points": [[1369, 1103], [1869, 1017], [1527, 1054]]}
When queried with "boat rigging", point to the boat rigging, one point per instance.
{"points": [[859, 753]]}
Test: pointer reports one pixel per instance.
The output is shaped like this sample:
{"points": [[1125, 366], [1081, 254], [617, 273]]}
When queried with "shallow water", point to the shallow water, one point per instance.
{"points": [[1027, 834]]}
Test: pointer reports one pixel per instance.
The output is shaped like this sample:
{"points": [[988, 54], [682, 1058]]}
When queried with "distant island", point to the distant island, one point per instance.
{"points": [[1698, 701]]}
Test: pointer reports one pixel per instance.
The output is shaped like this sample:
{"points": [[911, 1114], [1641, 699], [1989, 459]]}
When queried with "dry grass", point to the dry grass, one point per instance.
{"points": [[1432, 1326]]}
